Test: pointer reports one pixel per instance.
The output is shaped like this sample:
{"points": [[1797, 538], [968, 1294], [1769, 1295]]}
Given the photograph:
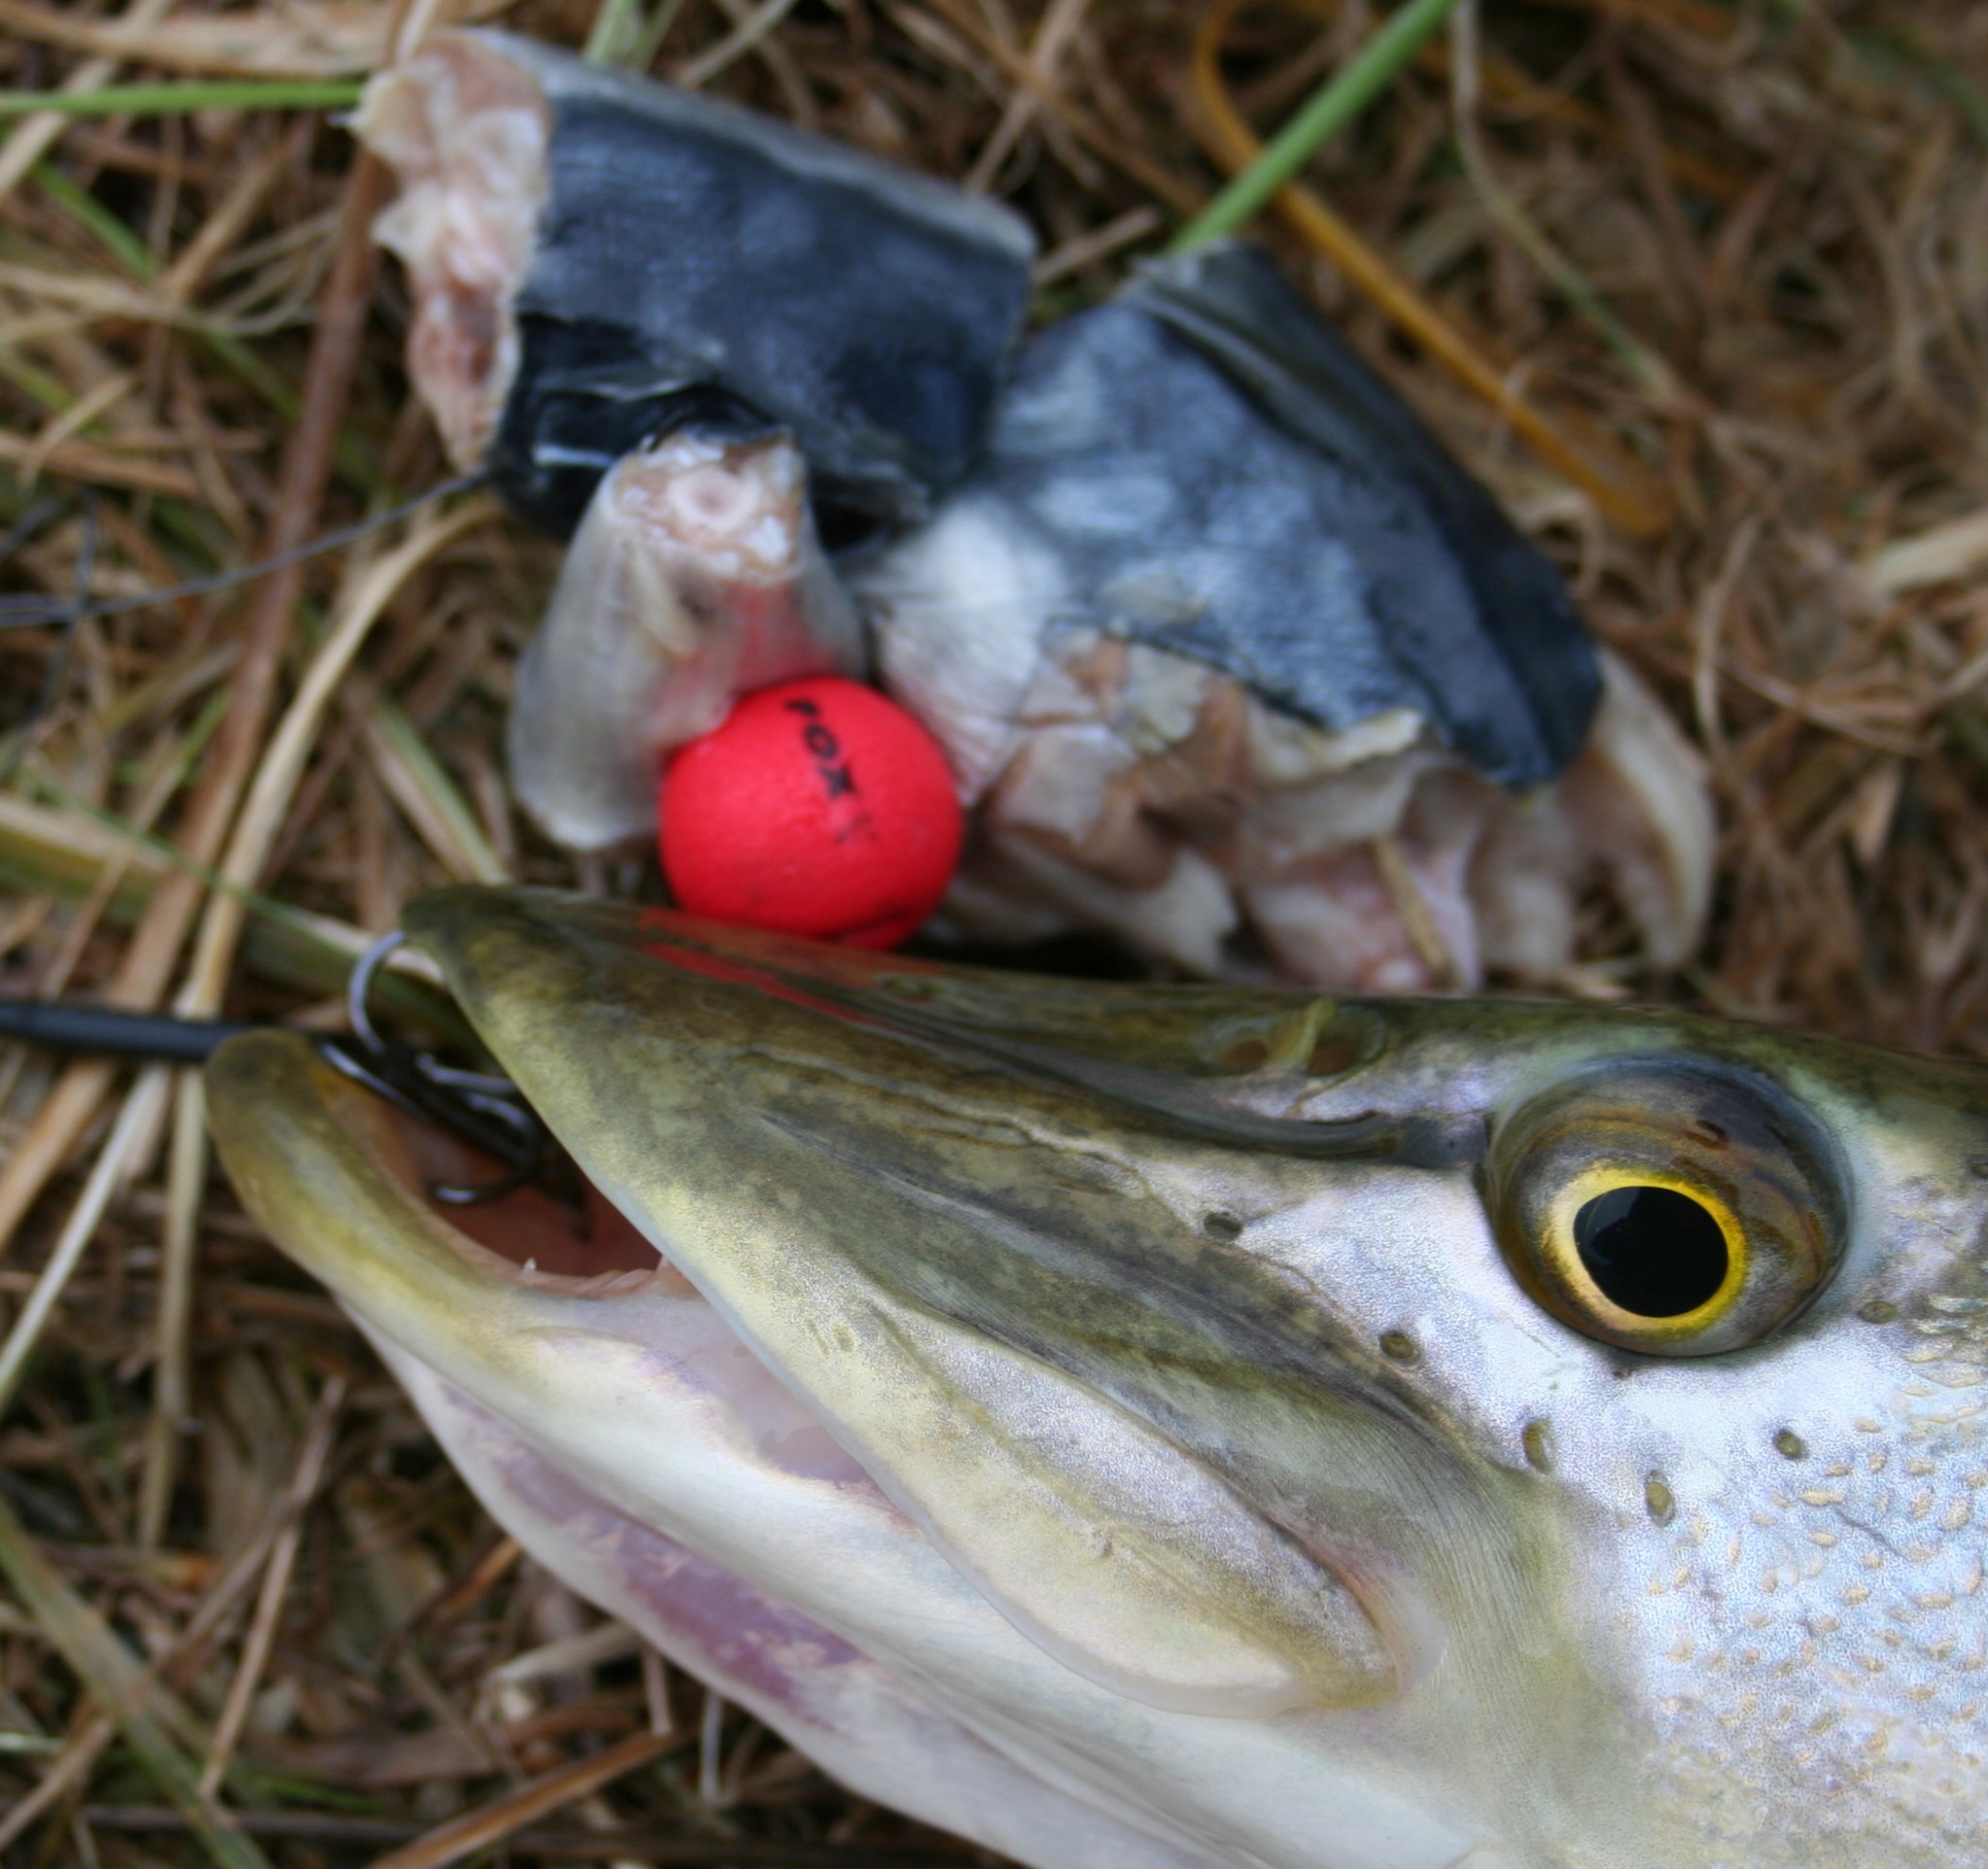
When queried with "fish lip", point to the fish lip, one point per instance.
{"points": [[333, 1174]]}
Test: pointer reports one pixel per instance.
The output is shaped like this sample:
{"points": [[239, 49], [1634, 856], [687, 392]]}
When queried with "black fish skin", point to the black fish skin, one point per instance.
{"points": [[695, 261], [1217, 474]]}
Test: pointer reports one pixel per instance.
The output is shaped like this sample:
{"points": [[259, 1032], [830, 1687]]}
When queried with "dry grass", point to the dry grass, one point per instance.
{"points": [[1740, 256]]}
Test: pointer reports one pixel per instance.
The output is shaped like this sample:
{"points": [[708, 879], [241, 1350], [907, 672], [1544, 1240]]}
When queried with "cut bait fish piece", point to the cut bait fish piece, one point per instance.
{"points": [[1235, 662], [695, 576], [595, 258]]}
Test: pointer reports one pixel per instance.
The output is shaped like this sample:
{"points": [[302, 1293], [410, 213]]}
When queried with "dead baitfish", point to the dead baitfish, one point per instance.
{"points": [[594, 258], [1162, 1427], [1230, 659], [1233, 659]]}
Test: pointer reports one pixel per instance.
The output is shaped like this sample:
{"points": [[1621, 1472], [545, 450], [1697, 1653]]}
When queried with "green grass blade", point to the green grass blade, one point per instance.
{"points": [[1336, 102], [178, 100]]}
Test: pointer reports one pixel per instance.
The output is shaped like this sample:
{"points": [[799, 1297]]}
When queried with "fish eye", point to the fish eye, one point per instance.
{"points": [[1670, 1207]]}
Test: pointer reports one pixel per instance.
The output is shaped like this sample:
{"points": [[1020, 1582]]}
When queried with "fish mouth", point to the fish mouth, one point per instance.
{"points": [[932, 1251]]}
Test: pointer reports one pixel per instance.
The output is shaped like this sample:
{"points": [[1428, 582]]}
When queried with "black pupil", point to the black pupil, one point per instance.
{"points": [[1652, 1251]]}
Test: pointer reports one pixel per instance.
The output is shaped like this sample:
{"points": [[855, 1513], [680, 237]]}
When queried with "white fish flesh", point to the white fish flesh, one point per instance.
{"points": [[695, 576]]}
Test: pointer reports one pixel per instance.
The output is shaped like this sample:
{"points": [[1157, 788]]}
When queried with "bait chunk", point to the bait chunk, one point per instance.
{"points": [[1234, 661], [695, 576], [595, 258]]}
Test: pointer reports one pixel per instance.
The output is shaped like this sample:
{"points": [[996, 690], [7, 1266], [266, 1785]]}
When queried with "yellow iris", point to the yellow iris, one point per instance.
{"points": [[1563, 1246]]}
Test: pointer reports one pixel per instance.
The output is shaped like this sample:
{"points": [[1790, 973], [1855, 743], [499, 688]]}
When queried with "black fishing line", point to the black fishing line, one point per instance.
{"points": [[485, 1110], [24, 528], [57, 671], [42, 612], [108, 1031], [38, 611]]}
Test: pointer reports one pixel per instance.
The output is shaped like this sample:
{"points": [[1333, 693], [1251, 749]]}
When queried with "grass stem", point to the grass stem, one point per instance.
{"points": [[179, 100], [1336, 103]]}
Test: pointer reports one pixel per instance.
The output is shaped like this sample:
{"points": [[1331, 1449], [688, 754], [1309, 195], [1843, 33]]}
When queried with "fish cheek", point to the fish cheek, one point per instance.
{"points": [[1094, 1533]]}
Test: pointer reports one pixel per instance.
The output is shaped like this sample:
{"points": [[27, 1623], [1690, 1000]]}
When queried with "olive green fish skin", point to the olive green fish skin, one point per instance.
{"points": [[1232, 1481]]}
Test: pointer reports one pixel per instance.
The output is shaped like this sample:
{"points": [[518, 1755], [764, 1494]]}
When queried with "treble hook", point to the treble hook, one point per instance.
{"points": [[486, 1110]]}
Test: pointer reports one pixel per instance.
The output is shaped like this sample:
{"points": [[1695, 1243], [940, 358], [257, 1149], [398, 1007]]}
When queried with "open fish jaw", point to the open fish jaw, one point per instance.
{"points": [[596, 257], [662, 1433], [1566, 1592]]}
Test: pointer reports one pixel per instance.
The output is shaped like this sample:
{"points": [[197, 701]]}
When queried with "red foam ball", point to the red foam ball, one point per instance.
{"points": [[814, 808]]}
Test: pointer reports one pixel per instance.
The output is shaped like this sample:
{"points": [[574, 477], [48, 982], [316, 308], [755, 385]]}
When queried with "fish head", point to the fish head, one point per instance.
{"points": [[1155, 1426]]}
